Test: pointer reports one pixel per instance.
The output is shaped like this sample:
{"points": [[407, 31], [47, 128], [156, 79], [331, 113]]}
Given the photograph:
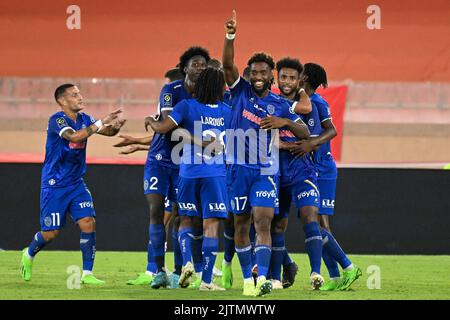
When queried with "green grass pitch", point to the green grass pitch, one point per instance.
{"points": [[401, 277]]}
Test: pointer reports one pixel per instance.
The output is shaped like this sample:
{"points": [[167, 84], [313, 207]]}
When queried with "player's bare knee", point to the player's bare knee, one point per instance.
{"points": [[211, 227], [50, 235], [87, 224]]}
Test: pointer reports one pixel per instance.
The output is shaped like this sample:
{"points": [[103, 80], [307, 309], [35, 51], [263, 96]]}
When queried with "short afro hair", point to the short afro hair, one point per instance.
{"points": [[261, 57], [290, 63], [61, 90], [189, 54]]}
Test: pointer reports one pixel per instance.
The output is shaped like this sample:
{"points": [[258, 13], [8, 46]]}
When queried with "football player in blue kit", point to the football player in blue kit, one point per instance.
{"points": [[311, 78], [160, 172], [288, 70], [63, 189], [253, 173], [202, 184], [298, 183]]}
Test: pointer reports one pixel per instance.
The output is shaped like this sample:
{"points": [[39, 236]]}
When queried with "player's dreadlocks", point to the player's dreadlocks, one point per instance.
{"points": [[61, 90], [290, 63], [261, 57], [189, 54], [316, 75], [210, 86]]}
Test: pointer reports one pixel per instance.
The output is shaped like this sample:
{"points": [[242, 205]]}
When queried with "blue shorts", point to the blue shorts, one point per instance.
{"points": [[204, 197], [327, 189], [56, 202], [161, 180], [302, 193], [248, 189]]}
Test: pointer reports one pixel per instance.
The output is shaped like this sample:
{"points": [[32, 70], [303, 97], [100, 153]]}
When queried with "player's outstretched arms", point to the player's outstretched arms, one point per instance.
{"points": [[303, 105], [229, 68], [129, 140], [113, 128], [83, 134], [162, 127], [134, 148]]}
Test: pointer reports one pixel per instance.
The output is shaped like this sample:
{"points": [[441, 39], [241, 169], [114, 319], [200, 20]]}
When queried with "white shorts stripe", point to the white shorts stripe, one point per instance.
{"points": [[313, 238]]}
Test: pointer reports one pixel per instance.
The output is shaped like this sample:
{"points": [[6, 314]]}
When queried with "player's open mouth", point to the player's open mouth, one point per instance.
{"points": [[258, 84]]}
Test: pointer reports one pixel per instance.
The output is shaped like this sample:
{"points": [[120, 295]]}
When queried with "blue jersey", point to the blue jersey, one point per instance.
{"points": [[323, 158], [292, 168], [65, 161], [161, 146], [207, 120], [247, 111], [323, 114]]}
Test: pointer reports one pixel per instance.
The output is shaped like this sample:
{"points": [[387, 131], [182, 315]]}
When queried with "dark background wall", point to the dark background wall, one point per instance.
{"points": [[378, 211]]}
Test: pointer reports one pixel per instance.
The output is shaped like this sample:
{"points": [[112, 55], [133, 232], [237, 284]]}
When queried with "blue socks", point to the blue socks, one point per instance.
{"points": [[278, 254], [210, 247], [245, 259], [333, 249], [177, 255], [87, 246], [157, 239], [331, 264], [185, 240], [263, 253], [252, 236], [197, 257], [229, 251], [36, 245], [151, 265], [313, 244]]}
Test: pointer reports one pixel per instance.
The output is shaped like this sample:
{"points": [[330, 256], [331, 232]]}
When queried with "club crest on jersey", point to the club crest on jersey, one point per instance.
{"points": [[311, 122], [61, 122], [48, 221], [167, 100], [270, 109]]}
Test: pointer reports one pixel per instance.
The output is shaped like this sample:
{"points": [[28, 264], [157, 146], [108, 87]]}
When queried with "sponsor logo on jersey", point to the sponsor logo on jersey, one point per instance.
{"points": [[266, 194], [187, 206], [61, 122], [77, 145], [221, 207]]}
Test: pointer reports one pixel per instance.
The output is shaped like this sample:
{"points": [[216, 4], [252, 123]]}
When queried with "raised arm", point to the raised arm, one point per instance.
{"points": [[229, 68]]}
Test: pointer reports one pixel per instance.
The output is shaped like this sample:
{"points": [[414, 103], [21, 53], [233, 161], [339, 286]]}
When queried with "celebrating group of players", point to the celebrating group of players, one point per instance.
{"points": [[232, 168]]}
